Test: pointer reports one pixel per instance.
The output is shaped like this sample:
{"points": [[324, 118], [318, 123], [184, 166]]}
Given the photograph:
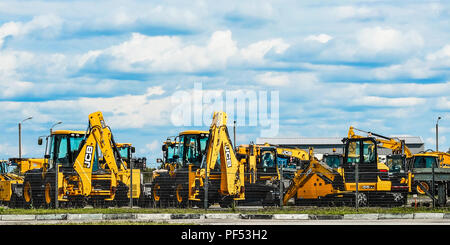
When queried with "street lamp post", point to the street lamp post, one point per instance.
{"points": [[432, 166], [20, 136], [51, 129], [437, 134]]}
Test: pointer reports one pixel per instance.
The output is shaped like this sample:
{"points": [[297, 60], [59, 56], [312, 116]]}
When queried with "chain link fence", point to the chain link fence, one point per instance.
{"points": [[163, 188]]}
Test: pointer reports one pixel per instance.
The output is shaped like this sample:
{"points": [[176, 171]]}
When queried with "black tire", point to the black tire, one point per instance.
{"points": [[32, 191], [161, 192], [15, 201], [49, 194], [226, 202], [121, 197], [181, 195]]}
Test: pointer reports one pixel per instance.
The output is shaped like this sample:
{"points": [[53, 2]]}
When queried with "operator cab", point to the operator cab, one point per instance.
{"points": [[170, 152], [62, 148], [361, 152], [396, 163], [267, 163], [193, 148], [125, 150], [333, 160], [424, 161]]}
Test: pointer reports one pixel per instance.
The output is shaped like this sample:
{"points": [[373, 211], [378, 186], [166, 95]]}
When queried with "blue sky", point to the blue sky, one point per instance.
{"points": [[382, 66]]}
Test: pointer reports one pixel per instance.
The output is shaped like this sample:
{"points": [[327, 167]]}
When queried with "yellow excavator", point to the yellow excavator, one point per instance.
{"points": [[126, 152], [361, 178], [170, 151], [11, 179], [73, 171], [396, 163], [262, 176], [402, 163], [11, 184], [208, 170]]}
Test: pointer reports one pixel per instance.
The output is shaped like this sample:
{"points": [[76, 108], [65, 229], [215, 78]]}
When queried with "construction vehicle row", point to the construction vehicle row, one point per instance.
{"points": [[202, 168]]}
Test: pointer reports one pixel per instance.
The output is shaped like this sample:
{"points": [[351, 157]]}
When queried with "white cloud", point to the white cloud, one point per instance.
{"points": [[379, 39], [143, 53], [352, 12], [388, 102], [45, 25], [11, 83], [152, 146], [166, 53], [321, 38], [272, 79], [255, 52]]}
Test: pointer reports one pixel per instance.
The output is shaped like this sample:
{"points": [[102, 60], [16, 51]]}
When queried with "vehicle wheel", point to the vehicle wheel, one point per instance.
{"points": [[27, 194], [363, 201], [15, 201], [399, 199], [181, 195], [32, 191], [226, 202], [422, 187], [49, 195], [121, 197]]}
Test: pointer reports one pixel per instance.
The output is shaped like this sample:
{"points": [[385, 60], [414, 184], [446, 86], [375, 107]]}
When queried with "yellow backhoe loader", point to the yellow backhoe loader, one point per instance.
{"points": [[11, 179], [361, 178], [73, 171], [208, 169], [126, 152], [262, 170]]}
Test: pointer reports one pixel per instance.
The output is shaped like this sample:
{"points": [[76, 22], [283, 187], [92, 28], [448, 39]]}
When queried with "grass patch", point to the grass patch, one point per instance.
{"points": [[272, 210]]}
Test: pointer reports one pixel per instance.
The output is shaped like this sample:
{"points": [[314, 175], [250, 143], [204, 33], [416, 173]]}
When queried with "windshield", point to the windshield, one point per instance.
{"points": [[124, 152], [333, 161], [424, 162], [395, 164], [194, 146], [9, 167]]}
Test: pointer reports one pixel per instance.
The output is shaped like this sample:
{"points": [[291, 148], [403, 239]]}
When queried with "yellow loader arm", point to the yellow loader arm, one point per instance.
{"points": [[295, 152], [98, 134], [232, 171]]}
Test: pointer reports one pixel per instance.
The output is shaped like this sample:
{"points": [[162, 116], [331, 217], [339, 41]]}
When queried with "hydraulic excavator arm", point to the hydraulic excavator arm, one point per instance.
{"points": [[302, 177], [219, 143], [98, 134], [386, 142]]}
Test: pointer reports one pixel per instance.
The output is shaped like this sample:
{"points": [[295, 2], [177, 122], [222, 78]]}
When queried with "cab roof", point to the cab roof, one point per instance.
{"points": [[194, 132], [68, 132]]}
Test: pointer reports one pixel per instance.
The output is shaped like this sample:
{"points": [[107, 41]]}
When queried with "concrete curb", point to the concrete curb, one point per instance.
{"points": [[396, 216], [222, 216], [291, 216], [429, 216], [361, 216], [233, 216]]}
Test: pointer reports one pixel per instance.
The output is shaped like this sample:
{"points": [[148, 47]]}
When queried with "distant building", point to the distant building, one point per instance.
{"points": [[324, 145]]}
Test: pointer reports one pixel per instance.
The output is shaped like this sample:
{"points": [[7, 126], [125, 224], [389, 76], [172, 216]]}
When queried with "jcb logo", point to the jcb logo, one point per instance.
{"points": [[228, 156], [88, 156]]}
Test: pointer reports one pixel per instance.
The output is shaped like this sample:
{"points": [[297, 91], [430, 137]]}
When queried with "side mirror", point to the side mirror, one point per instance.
{"points": [[39, 141], [164, 148], [47, 156], [133, 150]]}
